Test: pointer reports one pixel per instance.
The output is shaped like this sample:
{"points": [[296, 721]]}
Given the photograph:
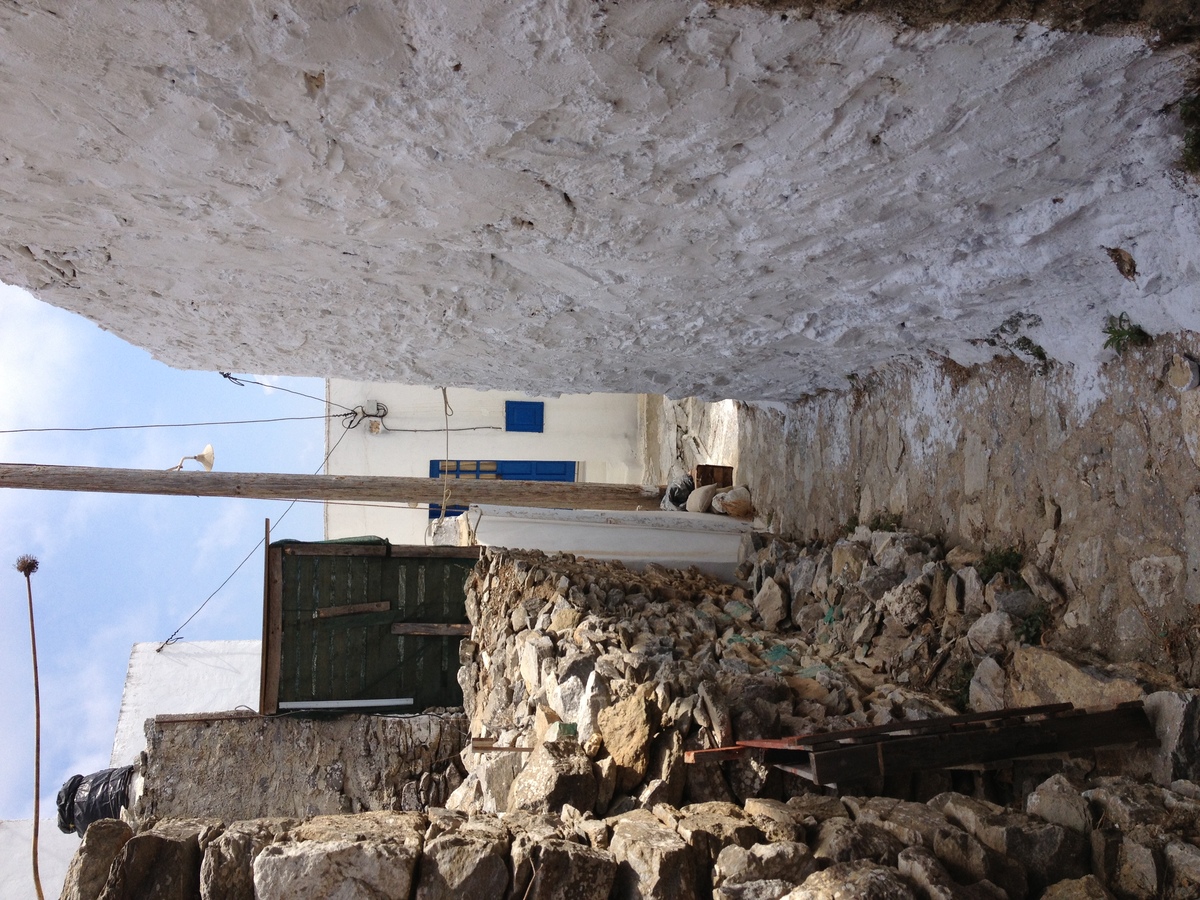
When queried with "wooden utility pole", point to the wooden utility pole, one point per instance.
{"points": [[345, 488]]}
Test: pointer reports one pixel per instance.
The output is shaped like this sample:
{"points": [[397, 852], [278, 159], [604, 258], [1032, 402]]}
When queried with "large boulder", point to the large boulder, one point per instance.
{"points": [[627, 727], [88, 871], [227, 869], [964, 856], [556, 773], [858, 880], [564, 870], [1037, 676], [925, 870], [786, 861], [1057, 800], [708, 829], [653, 862], [1086, 888], [161, 864], [465, 863], [334, 870], [841, 840], [1049, 852], [1183, 871]]}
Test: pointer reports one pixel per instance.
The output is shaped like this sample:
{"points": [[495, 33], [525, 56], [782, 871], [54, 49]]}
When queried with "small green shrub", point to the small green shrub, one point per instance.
{"points": [[885, 521], [998, 560], [958, 689], [1122, 334], [850, 525], [1030, 629]]}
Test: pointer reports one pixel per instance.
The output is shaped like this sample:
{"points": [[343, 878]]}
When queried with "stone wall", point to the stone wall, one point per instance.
{"points": [[1096, 479], [875, 628], [250, 767]]}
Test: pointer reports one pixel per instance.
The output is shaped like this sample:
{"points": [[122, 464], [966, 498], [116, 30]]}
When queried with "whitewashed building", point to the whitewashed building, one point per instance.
{"points": [[511, 436]]}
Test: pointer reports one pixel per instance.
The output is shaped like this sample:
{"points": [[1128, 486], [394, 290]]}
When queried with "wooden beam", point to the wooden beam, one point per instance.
{"points": [[354, 488], [352, 609], [432, 628]]}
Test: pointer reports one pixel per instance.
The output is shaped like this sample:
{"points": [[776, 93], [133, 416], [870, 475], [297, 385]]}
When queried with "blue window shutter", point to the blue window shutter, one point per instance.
{"points": [[524, 415]]}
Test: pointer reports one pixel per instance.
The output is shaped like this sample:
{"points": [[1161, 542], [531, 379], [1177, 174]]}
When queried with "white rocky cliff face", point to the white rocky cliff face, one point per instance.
{"points": [[658, 196]]}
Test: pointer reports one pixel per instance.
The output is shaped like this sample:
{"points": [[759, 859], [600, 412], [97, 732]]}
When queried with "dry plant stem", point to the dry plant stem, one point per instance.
{"points": [[37, 734]]}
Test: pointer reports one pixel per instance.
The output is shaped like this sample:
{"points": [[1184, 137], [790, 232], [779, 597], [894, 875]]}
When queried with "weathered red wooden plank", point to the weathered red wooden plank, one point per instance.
{"points": [[717, 754]]}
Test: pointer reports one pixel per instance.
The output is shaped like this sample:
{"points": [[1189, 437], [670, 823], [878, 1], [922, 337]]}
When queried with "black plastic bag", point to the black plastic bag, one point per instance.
{"points": [[679, 485], [87, 799]]}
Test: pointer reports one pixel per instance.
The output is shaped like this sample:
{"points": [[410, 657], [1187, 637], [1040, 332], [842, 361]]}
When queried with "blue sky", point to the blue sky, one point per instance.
{"points": [[119, 569]]}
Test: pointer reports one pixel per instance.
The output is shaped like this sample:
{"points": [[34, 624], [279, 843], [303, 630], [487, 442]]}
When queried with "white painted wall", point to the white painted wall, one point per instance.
{"points": [[187, 677], [574, 196], [599, 432], [55, 850]]}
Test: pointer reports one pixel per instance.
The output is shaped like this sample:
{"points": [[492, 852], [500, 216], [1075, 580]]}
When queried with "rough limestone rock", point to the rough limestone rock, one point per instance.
{"points": [[1042, 587], [708, 829], [860, 880], [227, 869], [907, 603], [1176, 718], [1086, 888], [334, 870], [382, 825], [1183, 870], [1037, 676], [1057, 800], [770, 604], [162, 864], [991, 633], [974, 603], [564, 870], [841, 840], [786, 861], [848, 560], [89, 867], [987, 686], [926, 871], [627, 728], [1049, 852], [555, 774], [763, 889], [464, 864], [653, 862]]}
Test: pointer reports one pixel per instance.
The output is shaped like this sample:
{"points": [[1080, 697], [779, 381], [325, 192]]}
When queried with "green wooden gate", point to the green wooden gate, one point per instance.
{"points": [[363, 624]]}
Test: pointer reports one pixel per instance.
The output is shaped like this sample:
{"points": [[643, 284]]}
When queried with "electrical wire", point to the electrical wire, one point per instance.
{"points": [[174, 638], [382, 411], [242, 382], [173, 425]]}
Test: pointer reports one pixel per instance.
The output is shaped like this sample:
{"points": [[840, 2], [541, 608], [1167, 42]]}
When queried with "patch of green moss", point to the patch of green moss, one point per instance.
{"points": [[999, 560], [1030, 348], [1029, 630], [885, 521], [1189, 114]]}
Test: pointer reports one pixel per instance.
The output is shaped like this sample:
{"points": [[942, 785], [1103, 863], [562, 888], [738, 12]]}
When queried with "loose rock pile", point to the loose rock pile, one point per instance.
{"points": [[1118, 838], [591, 681]]}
